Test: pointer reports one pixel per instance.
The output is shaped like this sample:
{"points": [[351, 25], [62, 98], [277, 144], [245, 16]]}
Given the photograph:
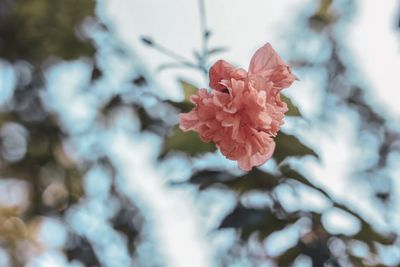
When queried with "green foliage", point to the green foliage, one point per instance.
{"points": [[33, 31], [293, 110], [188, 142], [261, 222], [290, 146], [253, 180], [188, 90], [36, 29], [185, 105]]}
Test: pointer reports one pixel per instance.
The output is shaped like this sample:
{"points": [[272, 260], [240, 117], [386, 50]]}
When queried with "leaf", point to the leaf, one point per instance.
{"points": [[288, 145], [188, 90], [356, 261], [243, 217], [182, 106], [366, 234], [251, 220], [288, 172], [254, 180], [217, 50], [148, 123], [206, 178], [369, 235], [188, 142], [30, 32], [147, 40], [293, 110], [139, 81], [289, 256], [171, 65], [207, 34]]}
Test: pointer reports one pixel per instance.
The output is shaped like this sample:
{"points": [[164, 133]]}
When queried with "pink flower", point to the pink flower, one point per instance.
{"points": [[243, 112]]}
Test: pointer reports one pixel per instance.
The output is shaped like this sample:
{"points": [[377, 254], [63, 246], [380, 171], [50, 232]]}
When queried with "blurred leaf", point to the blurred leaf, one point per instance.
{"points": [[217, 50], [182, 106], [254, 180], [207, 178], [366, 234], [293, 110], [369, 235], [139, 81], [288, 145], [113, 103], [319, 252], [255, 221], [188, 142], [96, 73], [33, 30], [79, 248], [197, 55], [287, 258], [288, 172], [207, 34], [324, 16], [242, 217], [124, 222], [356, 261], [148, 123], [188, 90], [171, 65], [147, 40]]}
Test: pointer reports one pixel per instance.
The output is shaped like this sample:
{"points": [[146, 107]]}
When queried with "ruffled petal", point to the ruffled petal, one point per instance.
{"points": [[243, 112], [264, 59], [222, 70]]}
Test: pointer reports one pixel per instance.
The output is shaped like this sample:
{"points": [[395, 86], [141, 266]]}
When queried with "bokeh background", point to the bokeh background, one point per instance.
{"points": [[95, 172]]}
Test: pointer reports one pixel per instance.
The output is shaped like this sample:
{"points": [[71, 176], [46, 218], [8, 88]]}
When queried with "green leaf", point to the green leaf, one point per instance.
{"points": [[188, 90], [251, 220], [288, 172], [288, 145], [289, 256], [188, 142], [207, 178], [254, 180], [242, 217], [293, 110], [182, 106], [370, 235], [30, 31]]}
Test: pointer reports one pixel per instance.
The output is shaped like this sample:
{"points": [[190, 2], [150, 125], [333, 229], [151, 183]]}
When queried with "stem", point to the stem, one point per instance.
{"points": [[204, 38], [181, 59]]}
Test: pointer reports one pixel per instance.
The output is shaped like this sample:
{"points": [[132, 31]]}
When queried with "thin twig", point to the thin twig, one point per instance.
{"points": [[172, 54], [205, 34]]}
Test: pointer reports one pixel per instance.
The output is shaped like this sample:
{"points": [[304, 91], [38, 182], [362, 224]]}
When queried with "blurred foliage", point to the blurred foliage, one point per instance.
{"points": [[293, 110], [264, 221], [34, 31], [189, 143]]}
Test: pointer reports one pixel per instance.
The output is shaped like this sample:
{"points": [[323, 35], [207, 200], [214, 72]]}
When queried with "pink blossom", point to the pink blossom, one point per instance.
{"points": [[243, 111]]}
